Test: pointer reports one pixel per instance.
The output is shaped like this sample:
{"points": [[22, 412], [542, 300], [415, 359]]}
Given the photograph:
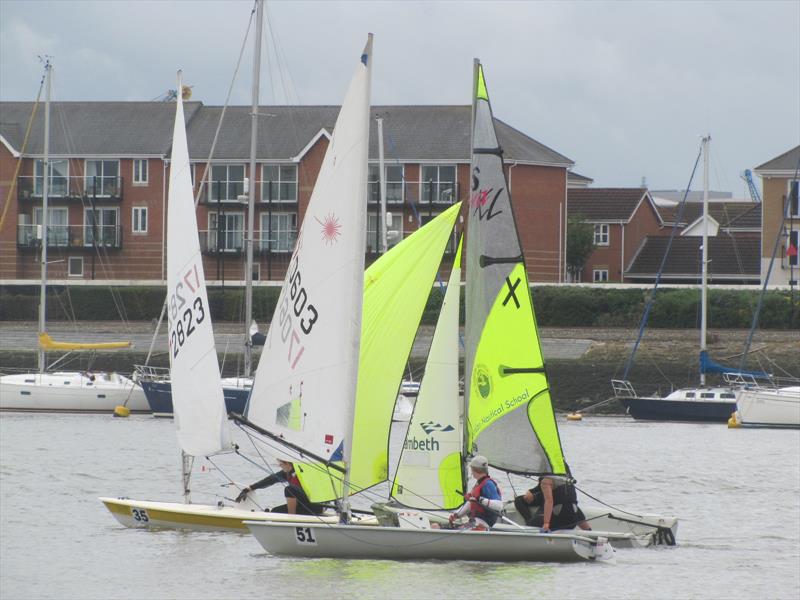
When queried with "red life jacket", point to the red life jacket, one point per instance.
{"points": [[475, 508], [293, 479]]}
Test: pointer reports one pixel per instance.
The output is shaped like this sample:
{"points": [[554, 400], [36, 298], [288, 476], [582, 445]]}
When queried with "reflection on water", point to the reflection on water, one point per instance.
{"points": [[737, 493]]}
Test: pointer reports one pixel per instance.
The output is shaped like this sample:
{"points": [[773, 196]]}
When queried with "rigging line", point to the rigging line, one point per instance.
{"points": [[757, 313], [651, 300], [203, 179], [588, 495]]}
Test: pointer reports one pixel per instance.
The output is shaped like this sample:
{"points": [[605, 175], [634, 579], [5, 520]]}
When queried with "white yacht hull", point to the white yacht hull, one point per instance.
{"points": [[394, 543], [70, 392], [769, 407], [146, 514]]}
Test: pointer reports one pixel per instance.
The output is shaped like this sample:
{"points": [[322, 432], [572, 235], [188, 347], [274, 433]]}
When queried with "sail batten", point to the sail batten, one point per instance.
{"points": [[199, 406], [510, 417]]}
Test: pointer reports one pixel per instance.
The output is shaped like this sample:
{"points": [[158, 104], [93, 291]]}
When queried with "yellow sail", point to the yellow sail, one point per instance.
{"points": [[48, 343]]}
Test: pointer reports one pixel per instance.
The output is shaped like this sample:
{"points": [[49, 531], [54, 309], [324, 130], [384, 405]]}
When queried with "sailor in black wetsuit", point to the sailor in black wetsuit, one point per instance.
{"points": [[297, 501], [551, 505]]}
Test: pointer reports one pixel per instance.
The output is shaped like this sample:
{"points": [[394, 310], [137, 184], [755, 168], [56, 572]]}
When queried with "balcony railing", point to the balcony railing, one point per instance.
{"points": [[233, 242], [70, 188], [437, 193], [70, 236]]}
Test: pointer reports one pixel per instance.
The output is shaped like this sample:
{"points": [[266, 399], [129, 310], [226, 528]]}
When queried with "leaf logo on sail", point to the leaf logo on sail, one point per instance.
{"points": [[429, 426], [483, 381]]}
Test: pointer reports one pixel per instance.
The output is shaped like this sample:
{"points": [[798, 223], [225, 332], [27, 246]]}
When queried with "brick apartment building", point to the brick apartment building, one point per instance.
{"points": [[109, 164]]}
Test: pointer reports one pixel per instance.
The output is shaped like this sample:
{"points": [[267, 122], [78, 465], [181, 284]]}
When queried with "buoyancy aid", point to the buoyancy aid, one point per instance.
{"points": [[293, 479], [475, 508]]}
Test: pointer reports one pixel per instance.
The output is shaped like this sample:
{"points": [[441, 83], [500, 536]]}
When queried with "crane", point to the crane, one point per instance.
{"points": [[747, 175]]}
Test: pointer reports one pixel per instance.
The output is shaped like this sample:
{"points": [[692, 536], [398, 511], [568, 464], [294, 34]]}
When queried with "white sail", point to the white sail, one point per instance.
{"points": [[430, 471], [199, 407], [305, 384]]}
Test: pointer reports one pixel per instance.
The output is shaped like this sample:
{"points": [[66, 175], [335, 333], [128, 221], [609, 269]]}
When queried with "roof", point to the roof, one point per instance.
{"points": [[411, 133], [94, 128], [604, 204], [729, 215], [729, 257], [788, 162], [579, 180]]}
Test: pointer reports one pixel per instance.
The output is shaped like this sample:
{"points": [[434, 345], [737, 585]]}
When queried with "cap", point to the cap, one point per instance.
{"points": [[479, 462]]}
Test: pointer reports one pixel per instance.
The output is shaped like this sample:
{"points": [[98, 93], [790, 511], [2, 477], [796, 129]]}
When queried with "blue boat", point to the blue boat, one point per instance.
{"points": [[158, 390]]}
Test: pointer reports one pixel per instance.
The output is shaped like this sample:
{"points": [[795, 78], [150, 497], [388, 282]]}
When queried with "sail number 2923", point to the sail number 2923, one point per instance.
{"points": [[184, 311]]}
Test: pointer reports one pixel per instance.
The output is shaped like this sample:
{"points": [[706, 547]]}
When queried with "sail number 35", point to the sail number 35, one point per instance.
{"points": [[185, 314]]}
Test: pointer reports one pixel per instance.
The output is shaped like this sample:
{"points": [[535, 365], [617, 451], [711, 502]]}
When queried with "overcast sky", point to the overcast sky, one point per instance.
{"points": [[622, 88]]}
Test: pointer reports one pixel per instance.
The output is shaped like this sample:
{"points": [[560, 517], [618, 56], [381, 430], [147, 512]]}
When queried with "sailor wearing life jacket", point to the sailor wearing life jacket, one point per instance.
{"points": [[297, 501], [555, 502], [483, 503]]}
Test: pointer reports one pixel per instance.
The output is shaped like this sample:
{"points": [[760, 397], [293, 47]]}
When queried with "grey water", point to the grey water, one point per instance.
{"points": [[737, 493]]}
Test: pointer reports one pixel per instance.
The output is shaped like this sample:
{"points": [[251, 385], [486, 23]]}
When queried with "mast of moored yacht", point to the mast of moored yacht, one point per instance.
{"points": [[251, 192], [48, 69], [704, 260]]}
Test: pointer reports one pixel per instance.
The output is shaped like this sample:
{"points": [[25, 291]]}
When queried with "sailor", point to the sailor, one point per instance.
{"points": [[555, 504], [297, 501], [483, 503]]}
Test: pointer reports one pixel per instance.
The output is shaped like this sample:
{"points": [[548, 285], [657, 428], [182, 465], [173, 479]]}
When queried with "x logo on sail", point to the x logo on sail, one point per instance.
{"points": [[512, 291]]}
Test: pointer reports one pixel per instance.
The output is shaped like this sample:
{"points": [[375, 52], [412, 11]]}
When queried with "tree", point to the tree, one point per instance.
{"points": [[580, 243]]}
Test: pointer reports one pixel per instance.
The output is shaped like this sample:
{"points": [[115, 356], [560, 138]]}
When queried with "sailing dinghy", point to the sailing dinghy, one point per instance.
{"points": [[510, 391]]}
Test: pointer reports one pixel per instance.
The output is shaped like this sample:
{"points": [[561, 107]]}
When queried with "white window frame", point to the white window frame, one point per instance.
{"points": [[423, 184], [602, 234], [69, 266], [229, 185], [212, 231], [87, 185], [38, 178], [279, 183], [290, 231], [136, 221], [599, 275], [60, 232], [373, 184], [137, 173], [88, 229]]}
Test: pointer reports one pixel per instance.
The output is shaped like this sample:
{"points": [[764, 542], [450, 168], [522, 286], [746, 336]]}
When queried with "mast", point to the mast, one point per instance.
{"points": [[251, 192], [704, 260], [48, 69], [382, 180]]}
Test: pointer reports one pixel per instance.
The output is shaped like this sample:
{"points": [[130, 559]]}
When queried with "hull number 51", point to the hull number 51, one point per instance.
{"points": [[305, 535]]}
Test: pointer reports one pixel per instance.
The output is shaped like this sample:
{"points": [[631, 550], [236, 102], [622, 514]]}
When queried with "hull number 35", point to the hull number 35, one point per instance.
{"points": [[305, 535], [140, 515]]}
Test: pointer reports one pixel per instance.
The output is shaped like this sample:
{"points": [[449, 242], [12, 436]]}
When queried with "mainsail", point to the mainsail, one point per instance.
{"points": [[305, 384], [509, 414], [200, 417], [430, 470]]}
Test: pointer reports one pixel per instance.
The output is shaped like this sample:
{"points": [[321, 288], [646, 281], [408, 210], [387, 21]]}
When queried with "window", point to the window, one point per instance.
{"points": [[438, 184], [707, 395], [59, 178], [140, 167], [727, 396], [689, 395], [794, 237], [102, 178], [100, 227], [599, 275], [280, 234], [279, 183], [601, 234], [57, 228], [227, 182], [226, 232], [75, 266], [793, 200], [394, 184], [139, 221], [394, 231]]}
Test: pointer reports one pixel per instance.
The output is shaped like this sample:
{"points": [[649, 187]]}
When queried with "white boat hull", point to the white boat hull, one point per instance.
{"points": [[146, 514], [70, 392], [769, 407], [394, 543]]}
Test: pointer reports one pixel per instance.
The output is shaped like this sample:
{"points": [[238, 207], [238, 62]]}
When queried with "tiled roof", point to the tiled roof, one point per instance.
{"points": [[787, 161], [572, 176], [730, 258], [604, 204], [734, 215], [411, 133]]}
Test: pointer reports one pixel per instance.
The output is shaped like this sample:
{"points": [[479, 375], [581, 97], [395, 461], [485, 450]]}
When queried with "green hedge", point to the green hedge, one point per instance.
{"points": [[556, 306]]}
